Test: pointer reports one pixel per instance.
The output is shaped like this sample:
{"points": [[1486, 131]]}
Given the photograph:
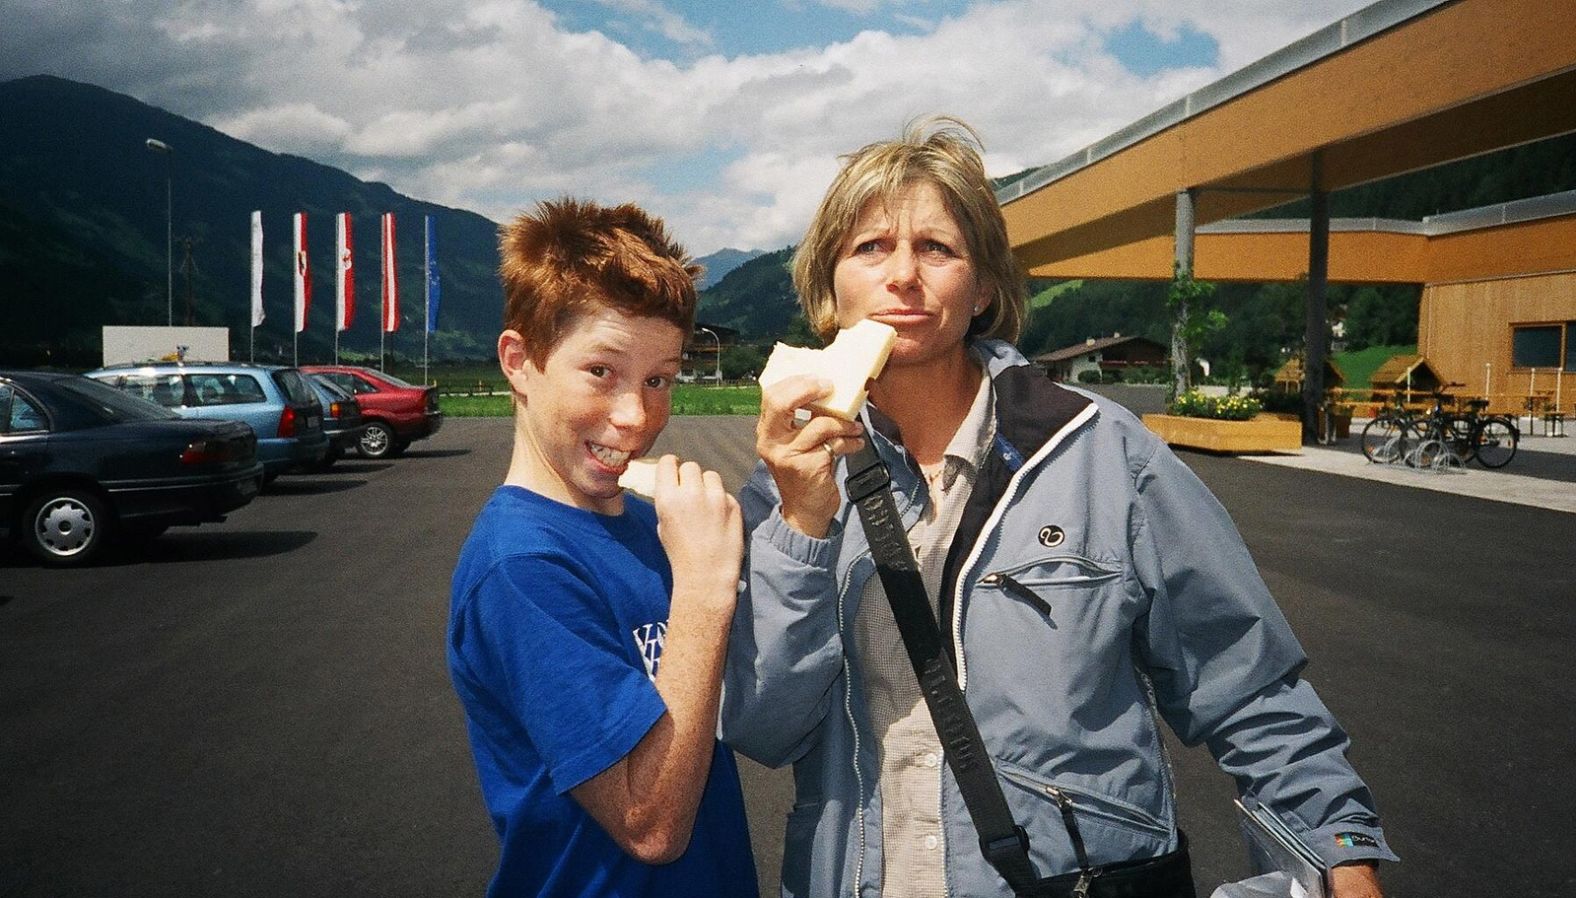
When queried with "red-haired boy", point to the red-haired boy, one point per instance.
{"points": [[587, 630]]}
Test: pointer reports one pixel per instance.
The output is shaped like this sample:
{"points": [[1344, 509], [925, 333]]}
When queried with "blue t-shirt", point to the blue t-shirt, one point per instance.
{"points": [[556, 626]]}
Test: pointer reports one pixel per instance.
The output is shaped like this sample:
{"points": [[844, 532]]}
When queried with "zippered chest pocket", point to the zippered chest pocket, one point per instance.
{"points": [[1041, 582]]}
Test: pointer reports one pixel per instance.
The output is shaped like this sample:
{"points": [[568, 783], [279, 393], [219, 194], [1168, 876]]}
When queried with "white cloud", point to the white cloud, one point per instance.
{"points": [[494, 104], [299, 128], [662, 20]]}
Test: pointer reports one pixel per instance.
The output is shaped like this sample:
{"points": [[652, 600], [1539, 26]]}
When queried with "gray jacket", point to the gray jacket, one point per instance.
{"points": [[1154, 605]]}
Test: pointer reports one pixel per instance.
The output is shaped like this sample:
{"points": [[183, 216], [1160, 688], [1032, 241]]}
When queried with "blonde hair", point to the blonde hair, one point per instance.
{"points": [[570, 256], [937, 150]]}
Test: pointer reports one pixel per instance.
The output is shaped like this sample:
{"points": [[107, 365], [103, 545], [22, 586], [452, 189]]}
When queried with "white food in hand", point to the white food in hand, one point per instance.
{"points": [[640, 476], [855, 357]]}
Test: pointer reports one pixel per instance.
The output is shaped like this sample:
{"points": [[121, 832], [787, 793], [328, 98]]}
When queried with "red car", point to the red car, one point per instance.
{"points": [[395, 413]]}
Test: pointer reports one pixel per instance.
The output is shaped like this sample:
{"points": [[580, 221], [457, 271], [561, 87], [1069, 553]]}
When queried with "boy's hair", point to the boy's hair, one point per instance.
{"points": [[936, 150], [570, 256]]}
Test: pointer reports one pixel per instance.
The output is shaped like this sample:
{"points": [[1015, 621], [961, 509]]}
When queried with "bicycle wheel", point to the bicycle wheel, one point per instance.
{"points": [[1421, 444], [1383, 440], [1496, 443], [1458, 431]]}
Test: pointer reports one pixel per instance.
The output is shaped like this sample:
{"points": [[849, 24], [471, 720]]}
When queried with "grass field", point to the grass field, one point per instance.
{"points": [[1359, 366], [699, 399], [688, 399]]}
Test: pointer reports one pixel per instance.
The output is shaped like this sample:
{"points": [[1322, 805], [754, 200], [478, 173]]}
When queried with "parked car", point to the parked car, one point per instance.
{"points": [[81, 462], [341, 418], [275, 400], [396, 413]]}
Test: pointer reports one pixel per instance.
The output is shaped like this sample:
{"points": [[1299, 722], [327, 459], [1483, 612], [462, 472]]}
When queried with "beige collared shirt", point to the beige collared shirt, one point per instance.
{"points": [[910, 751]]}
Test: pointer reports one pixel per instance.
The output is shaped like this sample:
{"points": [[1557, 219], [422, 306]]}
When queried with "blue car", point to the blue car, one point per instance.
{"points": [[275, 400]]}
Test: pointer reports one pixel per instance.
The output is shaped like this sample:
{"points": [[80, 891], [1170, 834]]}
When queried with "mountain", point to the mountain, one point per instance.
{"points": [[756, 299], [82, 235], [719, 263]]}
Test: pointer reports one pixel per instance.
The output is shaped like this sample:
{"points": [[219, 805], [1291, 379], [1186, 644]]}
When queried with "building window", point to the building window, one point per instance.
{"points": [[1537, 346]]}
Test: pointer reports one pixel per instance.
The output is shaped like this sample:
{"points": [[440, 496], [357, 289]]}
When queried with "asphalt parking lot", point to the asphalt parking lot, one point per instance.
{"points": [[261, 707]]}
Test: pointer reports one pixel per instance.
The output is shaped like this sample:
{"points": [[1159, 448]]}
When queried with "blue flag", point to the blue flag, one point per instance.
{"points": [[432, 276]]}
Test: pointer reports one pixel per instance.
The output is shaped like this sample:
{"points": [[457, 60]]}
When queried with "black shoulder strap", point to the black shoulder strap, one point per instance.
{"points": [[1005, 844]]}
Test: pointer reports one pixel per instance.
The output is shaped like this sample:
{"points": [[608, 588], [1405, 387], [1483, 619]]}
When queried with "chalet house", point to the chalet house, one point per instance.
{"points": [[1112, 354]]}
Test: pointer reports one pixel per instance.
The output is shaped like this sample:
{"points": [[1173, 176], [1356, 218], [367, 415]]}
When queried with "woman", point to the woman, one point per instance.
{"points": [[1078, 569]]}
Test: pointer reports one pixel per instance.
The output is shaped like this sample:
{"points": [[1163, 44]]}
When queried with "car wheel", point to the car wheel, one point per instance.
{"points": [[66, 527], [377, 441]]}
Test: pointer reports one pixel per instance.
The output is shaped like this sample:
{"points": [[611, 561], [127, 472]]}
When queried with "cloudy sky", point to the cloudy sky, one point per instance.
{"points": [[724, 116]]}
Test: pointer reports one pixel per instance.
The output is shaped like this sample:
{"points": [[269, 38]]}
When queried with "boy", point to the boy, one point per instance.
{"points": [[590, 696]]}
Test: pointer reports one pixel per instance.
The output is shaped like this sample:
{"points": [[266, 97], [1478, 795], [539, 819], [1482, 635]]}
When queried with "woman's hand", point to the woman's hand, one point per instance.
{"points": [[702, 531], [803, 459], [1360, 880]]}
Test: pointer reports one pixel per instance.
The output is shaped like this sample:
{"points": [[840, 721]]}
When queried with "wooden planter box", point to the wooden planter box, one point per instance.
{"points": [[1265, 433]]}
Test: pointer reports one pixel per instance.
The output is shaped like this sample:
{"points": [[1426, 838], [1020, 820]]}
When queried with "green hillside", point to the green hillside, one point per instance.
{"points": [[82, 211], [1359, 365], [756, 299]]}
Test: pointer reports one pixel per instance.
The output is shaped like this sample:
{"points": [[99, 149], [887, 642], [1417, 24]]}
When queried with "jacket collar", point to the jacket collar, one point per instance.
{"points": [[1030, 407]]}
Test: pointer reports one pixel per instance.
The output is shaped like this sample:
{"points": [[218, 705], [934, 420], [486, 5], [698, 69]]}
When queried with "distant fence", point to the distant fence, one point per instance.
{"points": [[471, 388], [483, 387]]}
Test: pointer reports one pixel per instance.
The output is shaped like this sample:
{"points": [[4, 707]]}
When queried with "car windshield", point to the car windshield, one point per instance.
{"points": [[290, 381], [329, 387], [112, 404]]}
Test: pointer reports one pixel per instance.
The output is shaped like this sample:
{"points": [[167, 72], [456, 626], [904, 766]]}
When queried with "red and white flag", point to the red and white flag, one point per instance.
{"points": [[390, 277], [345, 275], [303, 274], [257, 268]]}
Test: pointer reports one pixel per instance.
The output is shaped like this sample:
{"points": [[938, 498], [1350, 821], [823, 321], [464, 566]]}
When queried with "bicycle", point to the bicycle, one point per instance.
{"points": [[1441, 439], [1384, 439], [1493, 438]]}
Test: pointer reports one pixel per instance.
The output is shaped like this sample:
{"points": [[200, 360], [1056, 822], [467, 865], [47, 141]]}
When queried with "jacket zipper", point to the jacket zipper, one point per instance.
{"points": [[1008, 496], [1007, 584], [853, 725]]}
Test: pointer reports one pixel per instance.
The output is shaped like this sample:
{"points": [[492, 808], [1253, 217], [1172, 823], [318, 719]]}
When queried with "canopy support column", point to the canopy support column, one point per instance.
{"points": [[1181, 362], [1316, 341]]}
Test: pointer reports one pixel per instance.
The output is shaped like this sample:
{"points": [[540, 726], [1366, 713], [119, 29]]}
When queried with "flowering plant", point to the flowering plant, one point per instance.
{"points": [[1194, 404]]}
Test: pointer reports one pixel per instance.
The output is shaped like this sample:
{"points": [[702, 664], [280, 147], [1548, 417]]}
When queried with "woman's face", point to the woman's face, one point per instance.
{"points": [[905, 264]]}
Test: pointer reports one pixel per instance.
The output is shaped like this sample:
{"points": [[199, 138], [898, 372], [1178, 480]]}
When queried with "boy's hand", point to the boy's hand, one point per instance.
{"points": [[803, 459], [700, 526]]}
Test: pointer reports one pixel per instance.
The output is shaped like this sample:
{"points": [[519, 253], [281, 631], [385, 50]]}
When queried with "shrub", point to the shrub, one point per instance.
{"points": [[1194, 404], [1146, 374], [1089, 376], [1280, 401]]}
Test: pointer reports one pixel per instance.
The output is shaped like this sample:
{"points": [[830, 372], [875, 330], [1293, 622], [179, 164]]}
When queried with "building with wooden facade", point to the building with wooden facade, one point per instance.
{"points": [[1398, 86]]}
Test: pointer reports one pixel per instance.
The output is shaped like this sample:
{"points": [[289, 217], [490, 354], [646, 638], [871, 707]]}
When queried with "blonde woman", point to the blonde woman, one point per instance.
{"points": [[1079, 571]]}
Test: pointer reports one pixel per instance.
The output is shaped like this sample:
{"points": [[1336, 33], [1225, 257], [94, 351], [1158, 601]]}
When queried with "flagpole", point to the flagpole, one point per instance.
{"points": [[426, 293]]}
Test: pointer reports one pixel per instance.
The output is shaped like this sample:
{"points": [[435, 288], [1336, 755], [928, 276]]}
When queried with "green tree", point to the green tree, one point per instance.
{"points": [[1191, 322], [1381, 316], [742, 361]]}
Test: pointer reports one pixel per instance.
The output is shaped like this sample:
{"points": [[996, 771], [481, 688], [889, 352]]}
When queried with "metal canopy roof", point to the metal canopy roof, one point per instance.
{"points": [[1398, 86]]}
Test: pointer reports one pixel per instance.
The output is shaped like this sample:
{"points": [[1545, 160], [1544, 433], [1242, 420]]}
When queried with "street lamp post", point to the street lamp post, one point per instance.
{"points": [[164, 149], [719, 348]]}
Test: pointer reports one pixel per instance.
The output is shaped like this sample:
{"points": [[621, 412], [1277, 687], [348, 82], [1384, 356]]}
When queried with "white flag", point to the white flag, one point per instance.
{"points": [[257, 268], [303, 273], [345, 275], [390, 277]]}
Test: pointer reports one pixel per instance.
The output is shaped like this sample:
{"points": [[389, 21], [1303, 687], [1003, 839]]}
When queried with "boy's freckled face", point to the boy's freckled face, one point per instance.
{"points": [[601, 399]]}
